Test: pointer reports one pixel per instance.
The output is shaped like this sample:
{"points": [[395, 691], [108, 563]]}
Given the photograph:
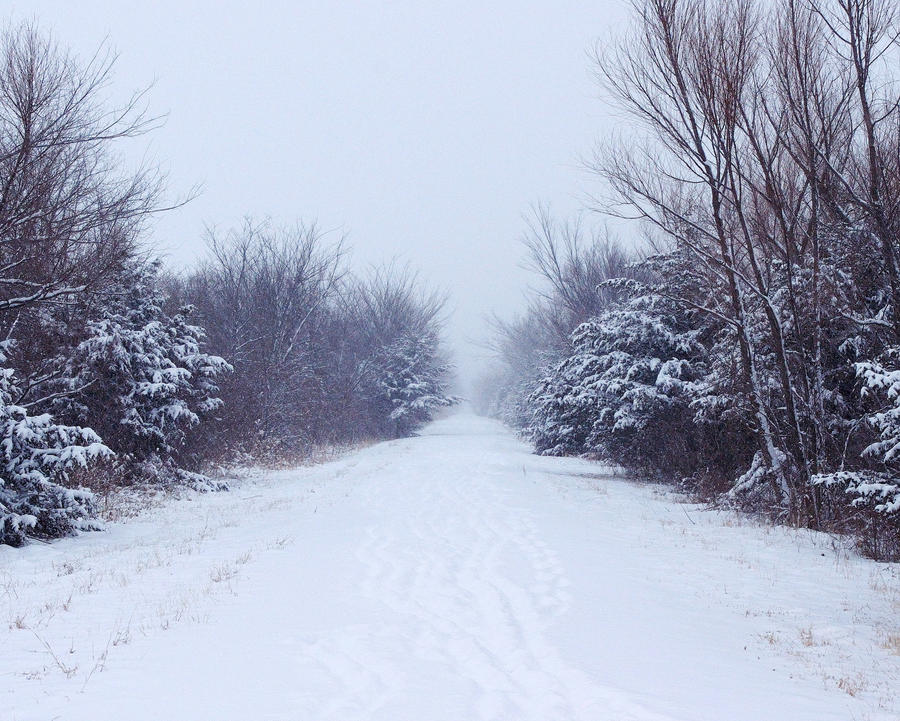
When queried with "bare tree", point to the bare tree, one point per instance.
{"points": [[68, 213], [263, 298], [389, 331], [686, 76], [573, 266]]}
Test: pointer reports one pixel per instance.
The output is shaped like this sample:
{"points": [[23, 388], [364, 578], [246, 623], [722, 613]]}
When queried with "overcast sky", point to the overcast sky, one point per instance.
{"points": [[423, 130]]}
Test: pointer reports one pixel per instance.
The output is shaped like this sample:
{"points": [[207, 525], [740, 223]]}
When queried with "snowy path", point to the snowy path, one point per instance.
{"points": [[451, 576]]}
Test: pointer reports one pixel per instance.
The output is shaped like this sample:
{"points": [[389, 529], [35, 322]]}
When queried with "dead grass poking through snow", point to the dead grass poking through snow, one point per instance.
{"points": [[891, 642], [223, 572], [806, 637], [852, 685]]}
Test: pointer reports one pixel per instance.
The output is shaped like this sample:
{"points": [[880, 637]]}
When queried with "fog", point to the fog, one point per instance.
{"points": [[422, 131]]}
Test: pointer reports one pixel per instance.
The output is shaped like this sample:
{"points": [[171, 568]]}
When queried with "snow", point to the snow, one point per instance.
{"points": [[449, 576]]}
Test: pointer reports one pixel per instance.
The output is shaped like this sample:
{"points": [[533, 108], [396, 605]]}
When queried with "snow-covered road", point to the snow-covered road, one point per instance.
{"points": [[449, 576]]}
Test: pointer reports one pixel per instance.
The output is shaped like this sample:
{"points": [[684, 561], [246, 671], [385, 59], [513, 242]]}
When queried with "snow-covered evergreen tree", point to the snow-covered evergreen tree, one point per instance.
{"points": [[877, 489], [411, 376], [36, 454], [140, 377], [632, 371]]}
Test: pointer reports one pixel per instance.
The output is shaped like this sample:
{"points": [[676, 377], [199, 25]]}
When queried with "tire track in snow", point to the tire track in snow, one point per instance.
{"points": [[440, 558]]}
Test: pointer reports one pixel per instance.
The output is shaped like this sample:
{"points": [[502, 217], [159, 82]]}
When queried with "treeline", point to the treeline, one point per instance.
{"points": [[752, 353], [113, 371]]}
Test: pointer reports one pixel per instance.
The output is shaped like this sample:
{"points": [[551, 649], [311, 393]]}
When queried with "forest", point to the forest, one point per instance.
{"points": [[301, 417], [747, 350], [115, 371]]}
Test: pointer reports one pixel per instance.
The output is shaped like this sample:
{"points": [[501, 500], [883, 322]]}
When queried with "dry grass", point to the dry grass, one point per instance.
{"points": [[890, 641], [281, 542], [223, 572], [852, 685], [67, 670], [18, 622], [806, 637]]}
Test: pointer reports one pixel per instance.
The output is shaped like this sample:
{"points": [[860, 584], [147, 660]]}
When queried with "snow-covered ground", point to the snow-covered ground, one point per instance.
{"points": [[450, 576]]}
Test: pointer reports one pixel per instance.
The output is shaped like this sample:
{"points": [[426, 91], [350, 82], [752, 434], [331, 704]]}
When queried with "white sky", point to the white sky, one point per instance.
{"points": [[424, 130]]}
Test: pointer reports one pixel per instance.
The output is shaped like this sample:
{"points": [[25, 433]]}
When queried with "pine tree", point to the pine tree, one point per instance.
{"points": [[36, 455], [141, 377], [633, 371], [878, 488], [412, 377]]}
